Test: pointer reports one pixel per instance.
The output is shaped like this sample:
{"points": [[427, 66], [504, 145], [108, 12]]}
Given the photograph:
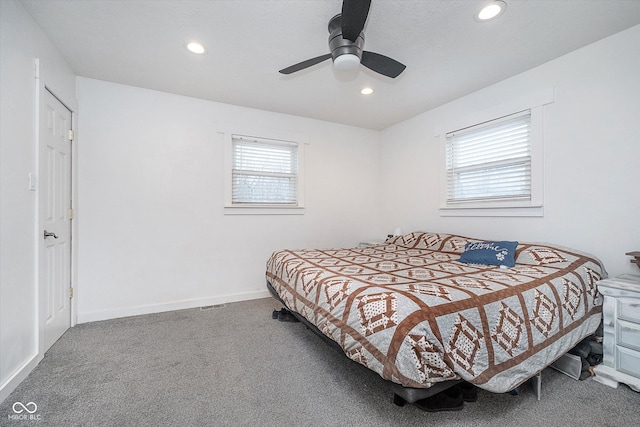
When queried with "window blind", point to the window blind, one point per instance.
{"points": [[490, 161], [264, 171]]}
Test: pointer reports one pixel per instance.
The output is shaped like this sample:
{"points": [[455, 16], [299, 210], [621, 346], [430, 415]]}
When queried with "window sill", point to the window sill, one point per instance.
{"points": [[531, 211], [263, 210]]}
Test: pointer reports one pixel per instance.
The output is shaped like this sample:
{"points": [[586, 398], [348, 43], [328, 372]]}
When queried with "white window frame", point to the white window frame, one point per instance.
{"points": [[535, 102], [266, 137]]}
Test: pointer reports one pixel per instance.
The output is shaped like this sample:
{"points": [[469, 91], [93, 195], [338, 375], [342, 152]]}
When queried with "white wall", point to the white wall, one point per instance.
{"points": [[591, 161], [152, 230], [21, 41]]}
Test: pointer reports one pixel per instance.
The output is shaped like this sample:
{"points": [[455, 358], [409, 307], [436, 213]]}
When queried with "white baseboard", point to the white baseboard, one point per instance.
{"points": [[169, 306], [21, 373]]}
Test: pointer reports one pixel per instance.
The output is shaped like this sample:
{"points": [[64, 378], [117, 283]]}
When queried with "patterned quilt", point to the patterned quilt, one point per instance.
{"points": [[408, 310]]}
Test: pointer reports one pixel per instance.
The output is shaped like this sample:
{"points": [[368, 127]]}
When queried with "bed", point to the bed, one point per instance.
{"points": [[411, 311]]}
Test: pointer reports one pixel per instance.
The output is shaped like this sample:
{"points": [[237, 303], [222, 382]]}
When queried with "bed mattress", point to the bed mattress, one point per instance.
{"points": [[410, 311]]}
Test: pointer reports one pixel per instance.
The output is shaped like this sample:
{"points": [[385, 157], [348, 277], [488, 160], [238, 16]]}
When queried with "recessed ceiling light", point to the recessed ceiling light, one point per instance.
{"points": [[490, 11], [366, 91], [196, 47]]}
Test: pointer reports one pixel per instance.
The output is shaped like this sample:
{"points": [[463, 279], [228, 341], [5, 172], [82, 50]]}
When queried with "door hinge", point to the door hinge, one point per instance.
{"points": [[70, 292], [70, 135], [71, 213]]}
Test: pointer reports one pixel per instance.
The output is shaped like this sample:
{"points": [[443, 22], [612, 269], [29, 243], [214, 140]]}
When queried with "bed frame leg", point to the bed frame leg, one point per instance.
{"points": [[537, 384], [397, 400]]}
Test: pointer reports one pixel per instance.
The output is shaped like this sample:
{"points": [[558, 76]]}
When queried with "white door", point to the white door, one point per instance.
{"points": [[54, 218]]}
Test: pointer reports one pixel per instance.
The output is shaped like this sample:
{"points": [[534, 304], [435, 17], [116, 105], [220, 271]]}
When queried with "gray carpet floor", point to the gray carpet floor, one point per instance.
{"points": [[236, 366]]}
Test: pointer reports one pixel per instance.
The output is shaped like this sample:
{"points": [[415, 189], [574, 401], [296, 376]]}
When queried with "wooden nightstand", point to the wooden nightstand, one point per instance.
{"points": [[621, 347]]}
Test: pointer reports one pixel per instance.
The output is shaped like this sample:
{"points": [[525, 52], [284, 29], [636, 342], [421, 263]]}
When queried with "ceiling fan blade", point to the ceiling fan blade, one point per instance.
{"points": [[382, 64], [354, 15], [305, 64]]}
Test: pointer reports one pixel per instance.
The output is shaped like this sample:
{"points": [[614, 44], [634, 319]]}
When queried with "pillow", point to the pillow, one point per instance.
{"points": [[490, 253]]}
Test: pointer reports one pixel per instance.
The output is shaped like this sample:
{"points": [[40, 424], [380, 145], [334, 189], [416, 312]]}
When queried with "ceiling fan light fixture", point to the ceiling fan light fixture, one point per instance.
{"points": [[490, 11], [196, 48], [346, 62], [346, 42]]}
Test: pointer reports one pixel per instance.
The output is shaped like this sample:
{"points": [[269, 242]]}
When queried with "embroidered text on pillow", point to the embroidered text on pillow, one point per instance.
{"points": [[490, 253]]}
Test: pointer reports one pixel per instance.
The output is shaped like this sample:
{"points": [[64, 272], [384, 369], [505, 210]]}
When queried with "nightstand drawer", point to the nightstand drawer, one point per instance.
{"points": [[629, 309], [628, 335], [628, 361]]}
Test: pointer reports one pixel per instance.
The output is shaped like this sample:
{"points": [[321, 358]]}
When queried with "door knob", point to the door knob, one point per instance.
{"points": [[49, 234]]}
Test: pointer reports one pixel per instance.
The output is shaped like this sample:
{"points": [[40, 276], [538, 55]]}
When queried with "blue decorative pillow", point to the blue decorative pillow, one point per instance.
{"points": [[490, 253]]}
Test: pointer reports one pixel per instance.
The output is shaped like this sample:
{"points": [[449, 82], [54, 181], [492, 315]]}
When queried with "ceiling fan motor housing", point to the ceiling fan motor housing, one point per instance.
{"points": [[340, 46]]}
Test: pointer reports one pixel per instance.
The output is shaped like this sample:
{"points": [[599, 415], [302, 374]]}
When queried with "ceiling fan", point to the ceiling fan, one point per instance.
{"points": [[346, 41]]}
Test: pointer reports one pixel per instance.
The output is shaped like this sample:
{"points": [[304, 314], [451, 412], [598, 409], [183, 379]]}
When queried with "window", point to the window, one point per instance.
{"points": [[264, 173], [490, 161], [492, 158]]}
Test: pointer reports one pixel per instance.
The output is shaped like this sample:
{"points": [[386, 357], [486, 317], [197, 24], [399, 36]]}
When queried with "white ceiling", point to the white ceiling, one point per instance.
{"points": [[447, 54]]}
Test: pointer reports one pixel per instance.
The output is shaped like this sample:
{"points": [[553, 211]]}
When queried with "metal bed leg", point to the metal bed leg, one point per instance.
{"points": [[537, 384]]}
